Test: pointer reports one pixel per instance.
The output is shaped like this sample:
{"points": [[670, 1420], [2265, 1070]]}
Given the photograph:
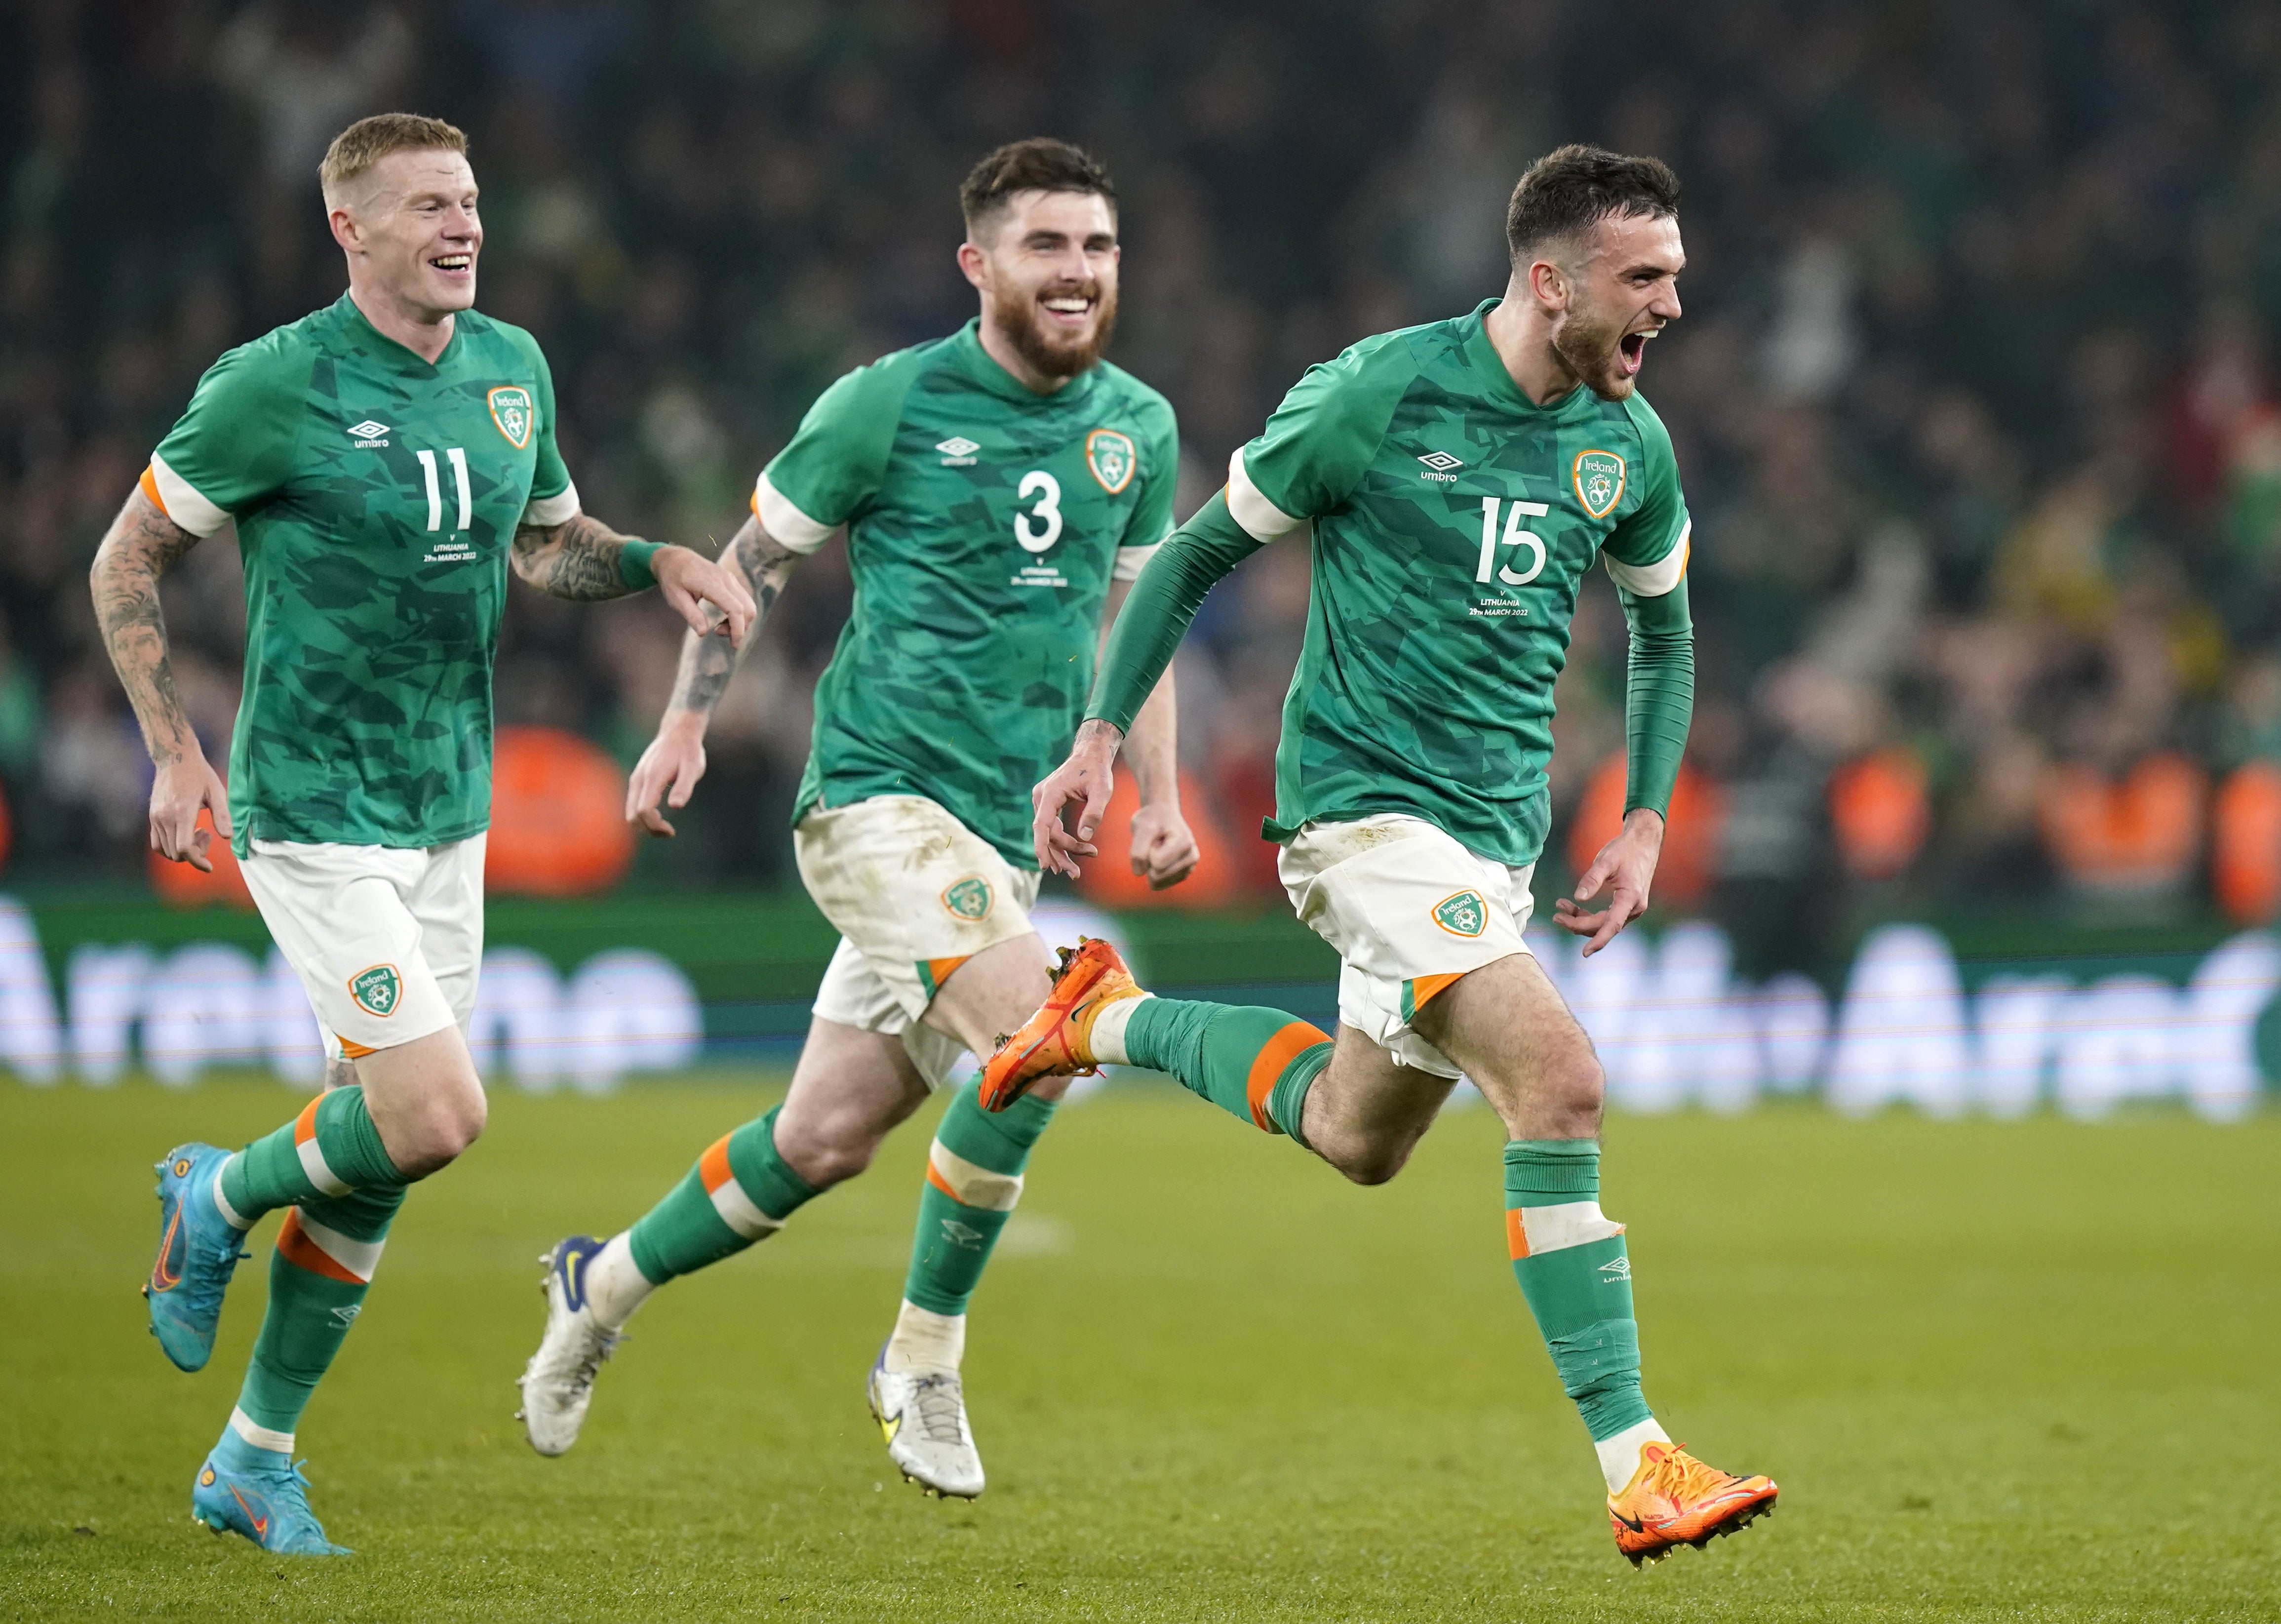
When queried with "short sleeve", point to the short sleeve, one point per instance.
{"points": [[836, 462], [1321, 441], [233, 449], [1647, 552], [553, 499], [1152, 516]]}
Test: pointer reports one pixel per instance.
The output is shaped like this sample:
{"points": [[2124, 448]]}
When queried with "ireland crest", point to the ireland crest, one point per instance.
{"points": [[1599, 480], [969, 899], [512, 411], [377, 990], [1462, 915], [1111, 457]]}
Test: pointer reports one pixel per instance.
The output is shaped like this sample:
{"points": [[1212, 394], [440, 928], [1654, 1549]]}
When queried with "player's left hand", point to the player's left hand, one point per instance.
{"points": [[1165, 849], [1626, 869], [710, 597]]}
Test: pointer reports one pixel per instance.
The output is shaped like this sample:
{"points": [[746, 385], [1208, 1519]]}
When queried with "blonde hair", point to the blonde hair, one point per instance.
{"points": [[365, 143]]}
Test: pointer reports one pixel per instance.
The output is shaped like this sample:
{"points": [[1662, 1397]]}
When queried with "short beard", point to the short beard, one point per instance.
{"points": [[1591, 349], [1017, 319]]}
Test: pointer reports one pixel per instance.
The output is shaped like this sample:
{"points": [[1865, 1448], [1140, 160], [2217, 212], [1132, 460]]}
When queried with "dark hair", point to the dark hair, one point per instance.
{"points": [[1039, 165], [1568, 191]]}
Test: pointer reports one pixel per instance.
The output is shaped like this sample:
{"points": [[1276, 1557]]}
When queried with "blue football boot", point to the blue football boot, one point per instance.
{"points": [[199, 1250], [256, 1492]]}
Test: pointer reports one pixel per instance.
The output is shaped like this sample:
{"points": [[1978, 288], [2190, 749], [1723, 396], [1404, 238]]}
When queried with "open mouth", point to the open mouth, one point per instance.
{"points": [[1632, 348], [1068, 310], [454, 264]]}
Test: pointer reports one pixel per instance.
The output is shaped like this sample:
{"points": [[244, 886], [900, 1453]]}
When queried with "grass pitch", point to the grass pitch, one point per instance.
{"points": [[2016, 1371]]}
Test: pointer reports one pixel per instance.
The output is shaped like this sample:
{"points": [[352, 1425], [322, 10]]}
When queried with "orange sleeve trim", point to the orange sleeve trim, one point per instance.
{"points": [[304, 1126], [1268, 1067], [713, 1166], [149, 485], [1516, 1233], [1424, 989], [353, 1049], [293, 1243]]}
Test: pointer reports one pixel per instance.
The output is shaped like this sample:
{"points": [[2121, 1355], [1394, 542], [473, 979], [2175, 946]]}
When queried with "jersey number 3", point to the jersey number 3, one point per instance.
{"points": [[1040, 527], [1513, 537]]}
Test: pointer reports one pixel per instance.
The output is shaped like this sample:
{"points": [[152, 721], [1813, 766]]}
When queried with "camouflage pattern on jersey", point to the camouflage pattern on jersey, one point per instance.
{"points": [[376, 497], [984, 525], [1453, 520]]}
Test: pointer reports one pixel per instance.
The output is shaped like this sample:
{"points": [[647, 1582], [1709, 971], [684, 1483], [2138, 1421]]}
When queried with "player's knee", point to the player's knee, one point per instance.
{"points": [[1365, 1160], [1576, 1092]]}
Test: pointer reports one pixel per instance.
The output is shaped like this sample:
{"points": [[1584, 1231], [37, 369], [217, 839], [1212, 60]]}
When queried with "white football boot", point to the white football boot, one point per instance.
{"points": [[558, 1384], [924, 1415]]}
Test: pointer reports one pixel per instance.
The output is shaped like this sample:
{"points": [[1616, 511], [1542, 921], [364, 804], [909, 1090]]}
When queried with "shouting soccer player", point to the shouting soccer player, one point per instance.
{"points": [[1460, 477], [999, 486], [385, 459]]}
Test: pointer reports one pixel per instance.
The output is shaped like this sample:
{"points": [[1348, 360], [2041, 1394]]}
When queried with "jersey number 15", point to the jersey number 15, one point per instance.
{"points": [[1513, 537]]}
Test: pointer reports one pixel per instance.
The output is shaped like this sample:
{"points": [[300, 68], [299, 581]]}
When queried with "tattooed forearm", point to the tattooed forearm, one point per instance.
{"points": [[707, 663], [141, 543], [576, 558]]}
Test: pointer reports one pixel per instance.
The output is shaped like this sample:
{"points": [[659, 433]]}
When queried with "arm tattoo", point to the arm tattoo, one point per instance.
{"points": [[707, 663], [576, 558], [141, 545]]}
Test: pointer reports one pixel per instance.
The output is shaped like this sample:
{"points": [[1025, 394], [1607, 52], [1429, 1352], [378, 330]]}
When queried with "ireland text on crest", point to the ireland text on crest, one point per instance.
{"points": [[1110, 456], [377, 990], [1462, 915], [512, 411], [969, 899], [1599, 481]]}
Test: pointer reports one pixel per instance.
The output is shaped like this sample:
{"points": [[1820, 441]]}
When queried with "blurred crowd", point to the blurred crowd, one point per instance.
{"points": [[1973, 396]]}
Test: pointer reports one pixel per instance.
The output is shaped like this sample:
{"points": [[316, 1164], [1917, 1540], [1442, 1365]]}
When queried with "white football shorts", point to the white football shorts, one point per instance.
{"points": [[914, 893], [387, 940], [1409, 910]]}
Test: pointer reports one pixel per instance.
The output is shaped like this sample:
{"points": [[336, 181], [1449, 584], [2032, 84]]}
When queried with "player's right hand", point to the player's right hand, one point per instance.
{"points": [[182, 788], [668, 770], [1087, 778]]}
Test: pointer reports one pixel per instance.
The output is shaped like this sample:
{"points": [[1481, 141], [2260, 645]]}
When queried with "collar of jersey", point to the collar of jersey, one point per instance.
{"points": [[1483, 355], [966, 343], [386, 350]]}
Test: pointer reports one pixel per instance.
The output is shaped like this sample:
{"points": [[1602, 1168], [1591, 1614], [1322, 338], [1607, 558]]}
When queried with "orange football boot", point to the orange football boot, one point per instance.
{"points": [[1052, 1042], [1674, 1499]]}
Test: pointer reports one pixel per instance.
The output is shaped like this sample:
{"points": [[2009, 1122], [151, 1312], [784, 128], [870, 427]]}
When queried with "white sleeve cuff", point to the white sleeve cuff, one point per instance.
{"points": [[546, 512], [1261, 519], [180, 503], [1654, 580], [1132, 561], [785, 524]]}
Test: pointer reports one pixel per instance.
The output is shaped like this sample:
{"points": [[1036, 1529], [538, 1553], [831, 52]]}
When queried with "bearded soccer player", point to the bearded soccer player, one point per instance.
{"points": [[1460, 478], [999, 487], [384, 460]]}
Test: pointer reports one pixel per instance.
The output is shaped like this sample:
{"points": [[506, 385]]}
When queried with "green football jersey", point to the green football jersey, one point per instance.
{"points": [[1453, 520], [376, 496], [985, 523]]}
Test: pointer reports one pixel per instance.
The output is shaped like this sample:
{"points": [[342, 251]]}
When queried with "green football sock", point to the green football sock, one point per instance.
{"points": [[327, 1251], [974, 1178], [1254, 1063], [1573, 1268], [330, 1149], [739, 1192]]}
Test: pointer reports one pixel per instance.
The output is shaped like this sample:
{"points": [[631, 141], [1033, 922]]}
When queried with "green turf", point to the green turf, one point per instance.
{"points": [[2019, 1372]]}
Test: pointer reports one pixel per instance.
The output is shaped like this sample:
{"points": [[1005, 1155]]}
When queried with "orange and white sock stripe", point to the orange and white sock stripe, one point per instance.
{"points": [[737, 1210], [1531, 1232], [970, 1184], [259, 1436], [321, 1249], [313, 1155]]}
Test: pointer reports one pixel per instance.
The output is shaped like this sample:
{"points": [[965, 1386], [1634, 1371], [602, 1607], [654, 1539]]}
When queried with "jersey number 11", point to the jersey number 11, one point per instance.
{"points": [[458, 477]]}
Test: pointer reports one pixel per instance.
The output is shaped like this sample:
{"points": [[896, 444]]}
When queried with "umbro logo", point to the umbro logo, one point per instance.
{"points": [[1439, 463], [958, 451], [1617, 1269], [368, 435]]}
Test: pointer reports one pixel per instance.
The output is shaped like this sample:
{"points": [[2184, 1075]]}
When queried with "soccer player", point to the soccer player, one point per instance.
{"points": [[1460, 477], [999, 486], [385, 459]]}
